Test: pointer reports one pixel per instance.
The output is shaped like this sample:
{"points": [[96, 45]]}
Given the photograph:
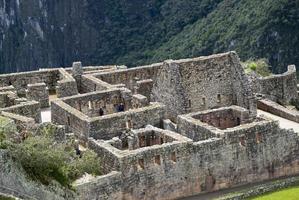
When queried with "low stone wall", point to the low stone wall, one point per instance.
{"points": [[128, 76], [22, 79], [67, 85], [22, 122], [27, 109], [90, 83], [276, 109], [109, 126], [106, 187], [280, 88], [38, 92], [75, 121]]}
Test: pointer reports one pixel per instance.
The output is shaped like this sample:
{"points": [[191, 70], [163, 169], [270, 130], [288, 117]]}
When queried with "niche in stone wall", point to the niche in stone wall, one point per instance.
{"points": [[242, 141], [158, 160], [68, 120], [218, 98], [140, 164], [258, 137], [129, 124], [173, 157], [203, 101], [161, 140]]}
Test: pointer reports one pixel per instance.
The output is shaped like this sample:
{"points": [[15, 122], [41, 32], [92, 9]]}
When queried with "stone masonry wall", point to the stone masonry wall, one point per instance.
{"points": [[109, 126], [66, 86], [38, 92], [202, 83], [74, 120], [21, 80], [28, 109], [128, 76], [280, 88], [210, 165]]}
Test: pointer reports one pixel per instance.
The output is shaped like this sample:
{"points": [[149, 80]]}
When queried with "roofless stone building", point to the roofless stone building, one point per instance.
{"points": [[166, 130]]}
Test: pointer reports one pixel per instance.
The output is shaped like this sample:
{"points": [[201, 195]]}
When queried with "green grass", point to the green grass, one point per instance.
{"points": [[291, 193], [5, 198]]}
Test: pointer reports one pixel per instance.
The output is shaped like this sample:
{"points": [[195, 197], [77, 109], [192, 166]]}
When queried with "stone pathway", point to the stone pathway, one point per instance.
{"points": [[284, 123]]}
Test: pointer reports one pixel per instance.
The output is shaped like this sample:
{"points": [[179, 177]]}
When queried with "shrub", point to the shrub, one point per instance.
{"points": [[259, 66], [44, 160], [41, 160], [7, 131]]}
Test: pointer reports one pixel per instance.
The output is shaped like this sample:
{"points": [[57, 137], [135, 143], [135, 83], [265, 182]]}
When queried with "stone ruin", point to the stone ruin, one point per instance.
{"points": [[166, 130]]}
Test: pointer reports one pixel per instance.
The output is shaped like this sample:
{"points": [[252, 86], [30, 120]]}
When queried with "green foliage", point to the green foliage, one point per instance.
{"points": [[45, 160], [6, 198], [288, 193], [7, 131], [88, 163], [260, 66]]}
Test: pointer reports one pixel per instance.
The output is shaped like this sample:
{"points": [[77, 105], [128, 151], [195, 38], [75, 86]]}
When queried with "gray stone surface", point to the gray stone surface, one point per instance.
{"points": [[166, 130]]}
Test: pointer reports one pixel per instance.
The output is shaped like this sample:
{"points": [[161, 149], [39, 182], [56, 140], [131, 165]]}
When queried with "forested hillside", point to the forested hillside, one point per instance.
{"points": [[42, 33]]}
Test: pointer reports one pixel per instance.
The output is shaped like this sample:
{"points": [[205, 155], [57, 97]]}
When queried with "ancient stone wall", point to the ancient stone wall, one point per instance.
{"points": [[38, 92], [252, 152], [66, 85], [129, 77], [74, 120], [21, 80], [108, 100], [105, 187], [106, 127], [279, 110], [202, 83], [91, 84], [280, 88], [28, 109], [23, 123]]}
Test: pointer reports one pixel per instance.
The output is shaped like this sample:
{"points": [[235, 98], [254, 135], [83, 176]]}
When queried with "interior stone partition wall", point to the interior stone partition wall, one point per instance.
{"points": [[130, 77], [22, 79], [80, 113], [38, 92], [108, 100], [202, 125], [28, 109], [253, 152]]}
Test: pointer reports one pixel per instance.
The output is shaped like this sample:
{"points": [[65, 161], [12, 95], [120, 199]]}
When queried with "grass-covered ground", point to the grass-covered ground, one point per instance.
{"points": [[5, 198], [291, 193]]}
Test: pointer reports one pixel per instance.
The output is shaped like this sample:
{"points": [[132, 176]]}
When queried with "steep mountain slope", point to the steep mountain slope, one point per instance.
{"points": [[265, 29], [42, 33]]}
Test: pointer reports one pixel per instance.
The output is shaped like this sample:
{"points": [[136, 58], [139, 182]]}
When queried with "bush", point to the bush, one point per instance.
{"points": [[41, 160], [44, 160], [8, 130], [260, 66]]}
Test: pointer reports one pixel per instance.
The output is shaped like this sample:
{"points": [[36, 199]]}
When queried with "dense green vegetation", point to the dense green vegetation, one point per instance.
{"points": [[44, 159], [134, 32], [260, 66], [255, 29], [287, 194]]}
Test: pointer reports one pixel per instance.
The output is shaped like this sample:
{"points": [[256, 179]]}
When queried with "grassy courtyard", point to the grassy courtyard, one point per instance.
{"points": [[291, 193]]}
